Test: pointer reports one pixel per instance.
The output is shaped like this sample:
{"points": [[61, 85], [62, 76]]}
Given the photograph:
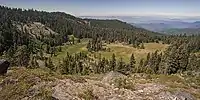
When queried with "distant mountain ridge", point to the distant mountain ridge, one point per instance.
{"points": [[158, 23], [172, 27], [145, 19], [159, 26]]}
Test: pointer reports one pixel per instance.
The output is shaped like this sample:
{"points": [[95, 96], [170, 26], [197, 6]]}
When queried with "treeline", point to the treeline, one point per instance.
{"points": [[176, 59], [182, 55], [81, 63], [95, 45]]}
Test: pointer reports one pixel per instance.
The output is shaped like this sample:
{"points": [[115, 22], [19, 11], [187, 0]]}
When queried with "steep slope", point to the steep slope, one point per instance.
{"points": [[117, 24]]}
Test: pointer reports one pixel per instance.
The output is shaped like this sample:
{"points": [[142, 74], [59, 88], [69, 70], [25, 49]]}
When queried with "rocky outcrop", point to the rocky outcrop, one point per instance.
{"points": [[41, 85], [105, 89], [177, 95], [96, 90], [4, 64], [35, 29], [112, 76]]}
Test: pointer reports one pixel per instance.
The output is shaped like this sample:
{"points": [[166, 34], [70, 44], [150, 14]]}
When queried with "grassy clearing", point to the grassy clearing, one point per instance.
{"points": [[71, 49], [119, 50], [125, 51]]}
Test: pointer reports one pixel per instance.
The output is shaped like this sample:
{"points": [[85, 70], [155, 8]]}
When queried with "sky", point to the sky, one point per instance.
{"points": [[112, 7]]}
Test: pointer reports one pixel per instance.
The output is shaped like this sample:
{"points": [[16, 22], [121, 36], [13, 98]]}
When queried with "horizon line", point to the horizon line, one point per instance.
{"points": [[128, 14]]}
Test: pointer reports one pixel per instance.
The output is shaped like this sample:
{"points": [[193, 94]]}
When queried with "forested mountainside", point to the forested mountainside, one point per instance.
{"points": [[53, 55], [116, 24], [65, 24], [109, 24]]}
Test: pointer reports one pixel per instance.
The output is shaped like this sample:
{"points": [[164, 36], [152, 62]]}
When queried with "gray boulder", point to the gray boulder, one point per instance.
{"points": [[4, 64], [112, 76], [183, 96]]}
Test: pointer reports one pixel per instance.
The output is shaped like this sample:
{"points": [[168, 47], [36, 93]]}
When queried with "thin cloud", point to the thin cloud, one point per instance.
{"points": [[142, 14]]}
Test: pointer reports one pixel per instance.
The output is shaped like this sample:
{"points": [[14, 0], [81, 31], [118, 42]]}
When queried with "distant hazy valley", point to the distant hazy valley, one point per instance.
{"points": [[159, 24], [171, 27]]}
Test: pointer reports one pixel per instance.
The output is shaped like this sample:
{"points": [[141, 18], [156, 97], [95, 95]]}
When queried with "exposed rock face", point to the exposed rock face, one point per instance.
{"points": [[4, 64], [68, 89], [96, 90], [183, 95], [178, 95], [35, 29]]}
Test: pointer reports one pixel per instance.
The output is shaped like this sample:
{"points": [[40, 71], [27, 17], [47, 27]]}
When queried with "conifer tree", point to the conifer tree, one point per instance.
{"points": [[140, 68], [80, 67], [132, 63], [89, 46], [31, 61], [102, 65], [22, 56], [121, 66], [73, 40], [41, 55], [46, 62], [142, 46], [113, 62], [172, 61], [193, 63], [147, 59], [61, 67], [50, 65]]}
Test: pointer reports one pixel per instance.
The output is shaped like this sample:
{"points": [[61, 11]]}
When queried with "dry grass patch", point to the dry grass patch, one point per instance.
{"points": [[22, 82], [125, 51]]}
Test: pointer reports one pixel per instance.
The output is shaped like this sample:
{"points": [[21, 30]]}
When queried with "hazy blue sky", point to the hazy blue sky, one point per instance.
{"points": [[112, 7]]}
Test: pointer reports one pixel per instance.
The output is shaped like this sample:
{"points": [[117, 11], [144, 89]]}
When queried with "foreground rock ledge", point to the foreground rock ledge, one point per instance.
{"points": [[100, 90]]}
